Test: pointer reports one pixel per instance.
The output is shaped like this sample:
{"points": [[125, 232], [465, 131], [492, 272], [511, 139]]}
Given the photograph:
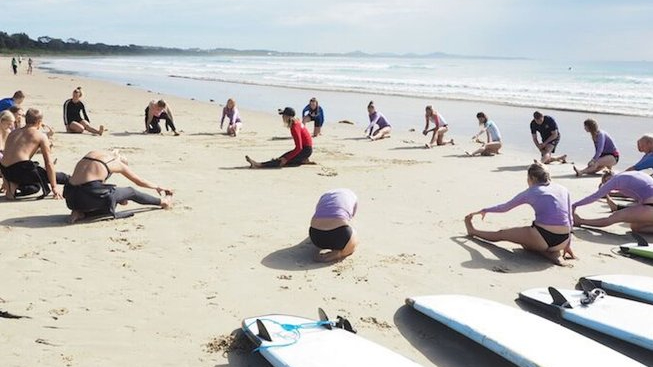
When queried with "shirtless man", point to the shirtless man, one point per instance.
{"points": [[155, 111], [24, 176]]}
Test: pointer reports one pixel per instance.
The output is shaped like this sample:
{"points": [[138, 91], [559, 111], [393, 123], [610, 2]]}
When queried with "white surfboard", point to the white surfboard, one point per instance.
{"points": [[312, 345], [638, 250], [520, 337], [633, 286], [620, 318]]}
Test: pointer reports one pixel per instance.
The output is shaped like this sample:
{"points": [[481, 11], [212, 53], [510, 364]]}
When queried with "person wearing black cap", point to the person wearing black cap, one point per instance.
{"points": [[303, 144]]}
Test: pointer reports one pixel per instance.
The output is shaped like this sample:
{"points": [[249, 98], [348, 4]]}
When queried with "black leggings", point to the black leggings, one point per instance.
{"points": [[131, 194], [297, 161], [30, 177], [97, 198], [154, 128]]}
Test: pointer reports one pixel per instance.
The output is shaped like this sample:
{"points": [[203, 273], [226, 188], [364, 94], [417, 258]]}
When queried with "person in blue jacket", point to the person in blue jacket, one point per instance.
{"points": [[313, 112]]}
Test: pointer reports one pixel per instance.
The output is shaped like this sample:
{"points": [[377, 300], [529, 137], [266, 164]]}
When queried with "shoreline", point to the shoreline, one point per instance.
{"points": [[158, 288]]}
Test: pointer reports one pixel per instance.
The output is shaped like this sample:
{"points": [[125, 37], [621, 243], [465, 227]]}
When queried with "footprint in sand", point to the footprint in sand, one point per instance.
{"points": [[328, 172]]}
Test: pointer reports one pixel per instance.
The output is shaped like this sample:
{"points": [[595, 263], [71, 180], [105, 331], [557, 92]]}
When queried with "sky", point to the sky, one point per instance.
{"points": [[541, 29]]}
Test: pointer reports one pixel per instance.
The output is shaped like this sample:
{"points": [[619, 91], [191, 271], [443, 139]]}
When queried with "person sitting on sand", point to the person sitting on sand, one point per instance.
{"points": [[16, 100], [439, 129], [156, 111], [606, 154], [87, 193], [22, 175], [633, 184], [75, 117], [644, 145], [230, 111], [550, 233], [377, 118], [6, 127], [303, 144], [548, 129], [330, 226], [493, 137], [314, 112]]}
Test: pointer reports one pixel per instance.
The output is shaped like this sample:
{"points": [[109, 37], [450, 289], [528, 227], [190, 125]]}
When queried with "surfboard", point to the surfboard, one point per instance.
{"points": [[633, 286], [518, 336], [638, 250], [620, 318], [292, 341]]}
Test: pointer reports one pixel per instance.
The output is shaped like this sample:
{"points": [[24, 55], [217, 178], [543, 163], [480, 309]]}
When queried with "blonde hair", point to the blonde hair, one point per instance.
{"points": [[232, 101], [538, 173], [592, 126], [7, 116]]}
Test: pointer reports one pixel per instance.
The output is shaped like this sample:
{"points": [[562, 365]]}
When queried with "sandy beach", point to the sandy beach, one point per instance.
{"points": [[166, 288]]}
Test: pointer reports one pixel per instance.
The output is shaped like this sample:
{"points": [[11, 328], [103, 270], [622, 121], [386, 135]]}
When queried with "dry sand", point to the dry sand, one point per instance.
{"points": [[167, 288]]}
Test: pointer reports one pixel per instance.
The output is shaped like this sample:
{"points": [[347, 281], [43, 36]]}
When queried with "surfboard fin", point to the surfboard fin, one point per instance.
{"points": [[587, 285], [324, 317], [262, 331], [641, 241], [343, 323], [558, 298]]}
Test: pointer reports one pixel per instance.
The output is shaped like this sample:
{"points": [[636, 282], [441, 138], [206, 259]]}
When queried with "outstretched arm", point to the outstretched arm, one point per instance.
{"points": [[133, 177], [521, 198], [600, 144]]}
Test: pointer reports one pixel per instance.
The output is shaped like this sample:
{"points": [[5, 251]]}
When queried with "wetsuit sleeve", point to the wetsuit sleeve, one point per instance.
{"points": [[373, 121], [604, 190], [65, 112], [599, 145], [84, 113], [521, 198], [296, 133], [306, 110], [644, 163], [533, 128], [224, 114], [320, 116], [235, 117]]}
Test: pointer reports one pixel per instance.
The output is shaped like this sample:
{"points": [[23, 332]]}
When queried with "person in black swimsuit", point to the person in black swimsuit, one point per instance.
{"points": [[75, 117], [88, 194]]}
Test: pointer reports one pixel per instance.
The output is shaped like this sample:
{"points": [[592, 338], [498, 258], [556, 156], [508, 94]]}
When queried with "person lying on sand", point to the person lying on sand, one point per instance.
{"points": [[548, 129], [330, 226], [606, 153], [87, 193], [550, 233], [440, 128], [75, 117], [377, 118], [303, 144], [634, 184], [493, 137], [22, 175]]}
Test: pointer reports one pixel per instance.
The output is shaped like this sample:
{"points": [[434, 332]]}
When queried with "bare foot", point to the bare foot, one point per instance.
{"points": [[166, 202], [124, 202], [76, 216], [252, 163], [613, 206], [452, 143], [468, 153], [469, 226], [577, 172], [554, 257], [329, 256], [176, 133], [101, 130], [563, 159], [11, 191], [427, 146]]}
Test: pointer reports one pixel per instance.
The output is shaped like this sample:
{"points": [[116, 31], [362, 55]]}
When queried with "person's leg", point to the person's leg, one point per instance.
{"points": [[301, 158], [381, 133], [123, 194], [169, 123], [274, 163], [336, 255], [237, 127], [154, 127], [440, 138], [317, 130], [639, 215], [493, 147], [603, 162], [478, 151], [75, 128], [91, 129], [528, 237]]}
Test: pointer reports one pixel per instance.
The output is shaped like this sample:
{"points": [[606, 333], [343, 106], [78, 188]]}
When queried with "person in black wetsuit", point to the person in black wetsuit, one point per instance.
{"points": [[88, 194], [22, 175], [156, 111], [75, 117]]}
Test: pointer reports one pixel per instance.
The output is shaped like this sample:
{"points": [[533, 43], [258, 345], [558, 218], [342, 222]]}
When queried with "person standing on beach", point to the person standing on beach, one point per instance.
{"points": [[548, 129], [606, 154], [314, 112], [14, 65], [87, 193], [330, 226], [303, 144], [439, 129], [377, 118], [550, 233], [30, 63], [156, 111], [493, 140], [75, 117], [644, 145], [16, 100], [230, 111], [24, 176]]}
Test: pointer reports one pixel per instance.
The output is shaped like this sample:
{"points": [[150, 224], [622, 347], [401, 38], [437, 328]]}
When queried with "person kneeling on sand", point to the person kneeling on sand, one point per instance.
{"points": [[87, 193], [633, 184], [75, 117], [156, 111], [493, 141], [550, 233], [439, 129], [330, 226], [377, 118], [22, 175], [303, 144], [606, 153], [230, 111], [548, 129]]}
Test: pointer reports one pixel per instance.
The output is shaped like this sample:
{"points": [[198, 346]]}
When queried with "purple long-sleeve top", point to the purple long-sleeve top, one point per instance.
{"points": [[551, 203], [232, 114], [377, 118], [338, 203], [604, 145], [634, 184]]}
